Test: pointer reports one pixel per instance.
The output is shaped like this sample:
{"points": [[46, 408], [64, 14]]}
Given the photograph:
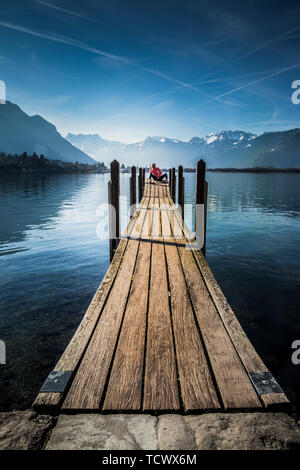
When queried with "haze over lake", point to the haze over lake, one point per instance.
{"points": [[54, 253]]}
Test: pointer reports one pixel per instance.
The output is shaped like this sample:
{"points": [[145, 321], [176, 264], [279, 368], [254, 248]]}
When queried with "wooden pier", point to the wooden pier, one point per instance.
{"points": [[159, 334]]}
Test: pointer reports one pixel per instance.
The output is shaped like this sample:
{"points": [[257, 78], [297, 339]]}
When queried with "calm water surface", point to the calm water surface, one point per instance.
{"points": [[54, 253]]}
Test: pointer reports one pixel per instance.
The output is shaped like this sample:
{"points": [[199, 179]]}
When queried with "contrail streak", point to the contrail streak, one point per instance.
{"points": [[69, 12], [254, 82]]}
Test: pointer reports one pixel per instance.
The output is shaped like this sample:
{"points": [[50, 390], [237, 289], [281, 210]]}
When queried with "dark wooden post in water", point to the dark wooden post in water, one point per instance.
{"points": [[181, 190], [140, 183], [132, 191], [201, 196], [173, 185], [143, 180], [114, 207], [170, 178]]}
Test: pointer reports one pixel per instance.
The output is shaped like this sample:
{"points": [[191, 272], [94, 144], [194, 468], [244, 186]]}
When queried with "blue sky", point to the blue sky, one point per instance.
{"points": [[131, 69]]}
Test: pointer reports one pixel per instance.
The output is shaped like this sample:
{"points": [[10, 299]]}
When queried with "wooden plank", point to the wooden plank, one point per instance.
{"points": [[234, 385], [197, 388], [137, 228], [136, 219], [156, 226], [89, 382], [124, 391], [246, 351], [226, 364], [176, 224], [75, 349], [165, 223], [161, 388], [147, 191], [146, 230]]}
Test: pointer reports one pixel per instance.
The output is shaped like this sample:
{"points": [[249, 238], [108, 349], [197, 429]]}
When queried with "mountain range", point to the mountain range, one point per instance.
{"points": [[223, 149], [21, 133]]}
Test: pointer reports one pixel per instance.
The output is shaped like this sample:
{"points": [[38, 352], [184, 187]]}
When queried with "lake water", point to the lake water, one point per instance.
{"points": [[54, 253]]}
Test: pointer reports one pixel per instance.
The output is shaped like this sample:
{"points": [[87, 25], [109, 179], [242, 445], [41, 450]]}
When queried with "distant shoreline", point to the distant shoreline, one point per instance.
{"points": [[39, 164], [248, 170]]}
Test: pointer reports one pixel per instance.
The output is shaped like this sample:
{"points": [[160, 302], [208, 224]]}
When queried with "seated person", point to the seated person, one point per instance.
{"points": [[157, 175]]}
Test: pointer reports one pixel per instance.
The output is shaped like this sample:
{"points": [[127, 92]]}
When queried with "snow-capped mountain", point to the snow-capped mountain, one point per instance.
{"points": [[95, 146], [223, 149], [21, 133]]}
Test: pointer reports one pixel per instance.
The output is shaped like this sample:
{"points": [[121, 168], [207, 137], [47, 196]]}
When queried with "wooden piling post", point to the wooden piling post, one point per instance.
{"points": [[132, 191], [181, 190], [201, 196], [205, 215], [114, 207], [143, 179], [140, 183], [173, 185], [170, 179]]}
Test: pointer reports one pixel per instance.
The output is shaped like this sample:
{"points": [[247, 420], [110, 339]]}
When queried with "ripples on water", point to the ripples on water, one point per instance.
{"points": [[54, 253]]}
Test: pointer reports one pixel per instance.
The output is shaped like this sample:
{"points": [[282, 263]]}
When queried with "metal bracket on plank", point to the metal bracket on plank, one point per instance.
{"points": [[57, 381], [264, 383]]}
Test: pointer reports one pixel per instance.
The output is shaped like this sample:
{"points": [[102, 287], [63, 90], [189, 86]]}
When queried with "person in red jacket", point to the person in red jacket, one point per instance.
{"points": [[157, 175]]}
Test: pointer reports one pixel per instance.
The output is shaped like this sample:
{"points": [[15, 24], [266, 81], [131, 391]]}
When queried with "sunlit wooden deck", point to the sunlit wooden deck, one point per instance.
{"points": [[159, 334]]}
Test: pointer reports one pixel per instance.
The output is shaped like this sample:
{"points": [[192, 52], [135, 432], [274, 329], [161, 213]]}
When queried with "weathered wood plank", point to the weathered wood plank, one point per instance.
{"points": [[88, 385], [197, 388], [165, 223], [233, 382], [246, 351], [224, 360], [138, 226], [75, 349], [248, 355], [156, 226], [124, 391], [161, 388]]}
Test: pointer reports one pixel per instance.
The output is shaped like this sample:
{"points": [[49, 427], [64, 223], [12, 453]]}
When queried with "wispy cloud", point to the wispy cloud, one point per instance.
{"points": [[246, 85], [65, 40], [162, 106], [120, 59], [60, 99], [182, 84], [64, 10], [282, 37], [232, 78]]}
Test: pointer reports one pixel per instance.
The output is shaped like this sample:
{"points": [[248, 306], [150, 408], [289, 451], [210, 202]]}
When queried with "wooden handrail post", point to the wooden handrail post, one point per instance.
{"points": [[114, 207], [170, 179], [140, 183], [181, 190], [132, 190], [173, 185], [201, 198]]}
